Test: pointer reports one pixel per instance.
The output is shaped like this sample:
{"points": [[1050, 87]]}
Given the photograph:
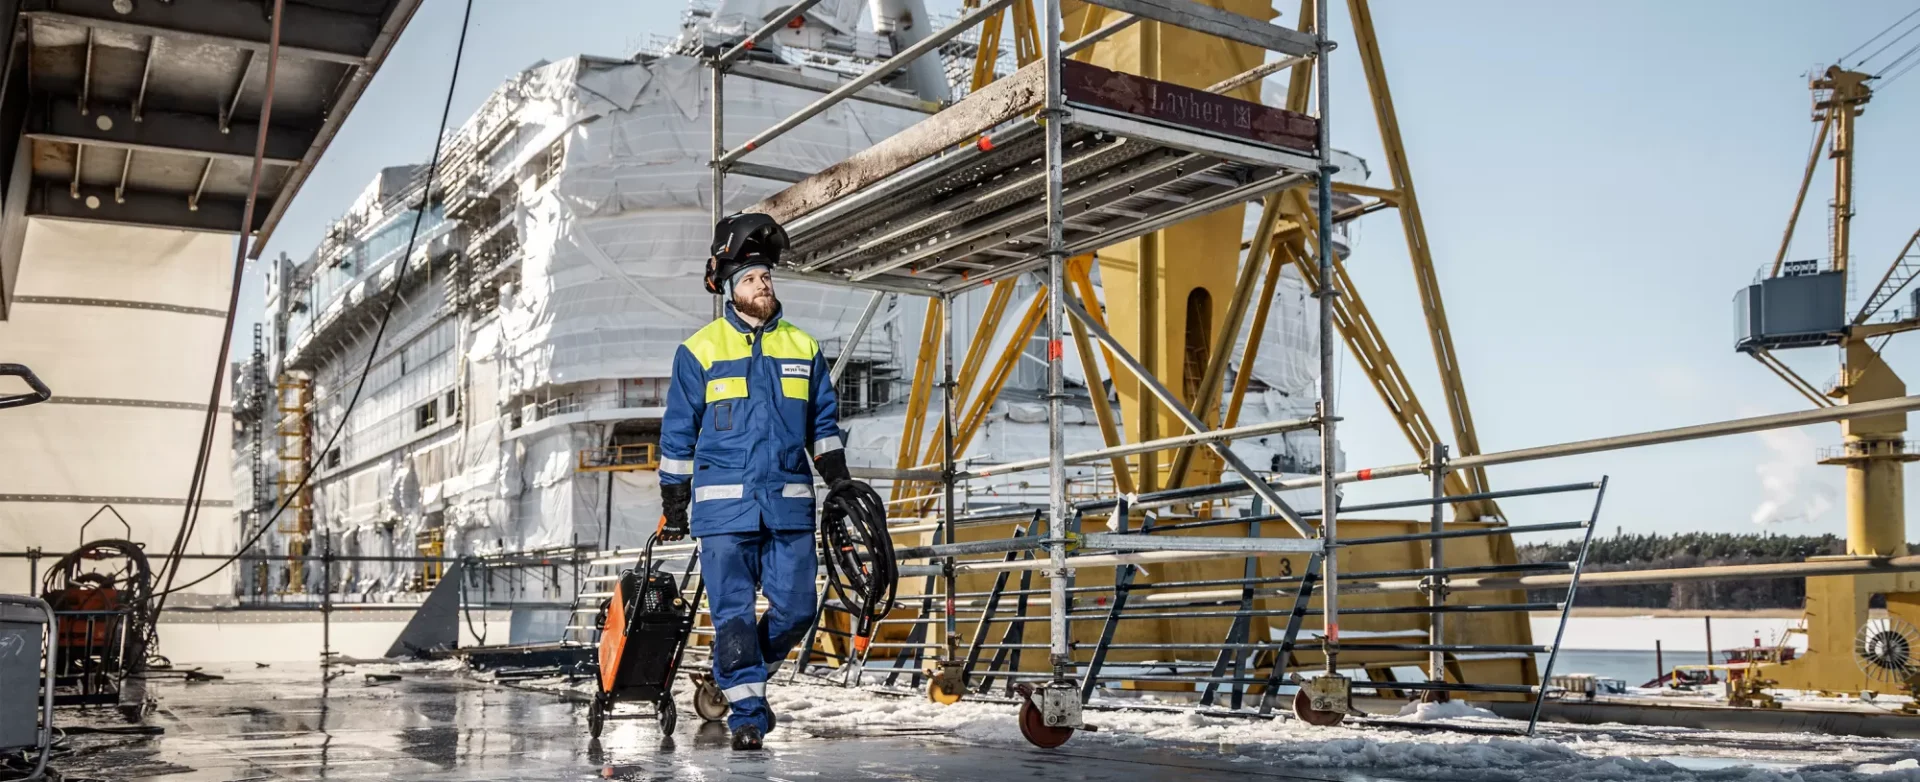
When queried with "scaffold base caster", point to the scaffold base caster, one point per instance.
{"points": [[1033, 723], [946, 687], [1303, 708], [1324, 701]]}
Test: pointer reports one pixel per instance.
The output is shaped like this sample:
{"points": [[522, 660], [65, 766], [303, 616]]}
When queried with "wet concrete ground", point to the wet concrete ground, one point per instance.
{"points": [[270, 725]]}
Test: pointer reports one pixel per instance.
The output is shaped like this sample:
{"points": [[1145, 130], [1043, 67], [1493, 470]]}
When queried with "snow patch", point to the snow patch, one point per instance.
{"points": [[1429, 712], [1884, 768]]}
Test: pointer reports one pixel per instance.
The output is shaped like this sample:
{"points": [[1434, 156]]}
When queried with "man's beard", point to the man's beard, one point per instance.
{"points": [[760, 309]]}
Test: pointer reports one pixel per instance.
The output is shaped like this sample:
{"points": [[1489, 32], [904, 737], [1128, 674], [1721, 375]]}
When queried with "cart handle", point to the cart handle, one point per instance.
{"points": [[40, 392]]}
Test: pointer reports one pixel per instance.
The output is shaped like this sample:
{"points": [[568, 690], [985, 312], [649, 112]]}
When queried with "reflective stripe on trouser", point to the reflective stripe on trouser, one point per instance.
{"points": [[779, 565]]}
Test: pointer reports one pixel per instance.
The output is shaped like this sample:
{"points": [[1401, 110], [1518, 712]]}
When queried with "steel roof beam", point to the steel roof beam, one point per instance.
{"points": [[307, 32], [97, 204], [59, 119]]}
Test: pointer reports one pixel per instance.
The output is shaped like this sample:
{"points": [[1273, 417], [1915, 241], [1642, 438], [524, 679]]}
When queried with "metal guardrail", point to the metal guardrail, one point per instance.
{"points": [[1869, 448]]}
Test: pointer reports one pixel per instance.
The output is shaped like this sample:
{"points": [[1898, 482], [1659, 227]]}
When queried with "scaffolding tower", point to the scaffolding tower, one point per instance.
{"points": [[1062, 159]]}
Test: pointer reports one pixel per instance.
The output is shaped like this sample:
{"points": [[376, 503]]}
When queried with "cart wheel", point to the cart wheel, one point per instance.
{"points": [[709, 703], [596, 716], [1036, 730], [941, 692], [669, 715], [1303, 708]]}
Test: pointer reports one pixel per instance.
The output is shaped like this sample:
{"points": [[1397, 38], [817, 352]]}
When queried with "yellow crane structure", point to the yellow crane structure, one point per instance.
{"points": [[1803, 304]]}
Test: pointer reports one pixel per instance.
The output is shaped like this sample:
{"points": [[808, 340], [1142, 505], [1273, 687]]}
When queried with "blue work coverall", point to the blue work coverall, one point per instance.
{"points": [[745, 408]]}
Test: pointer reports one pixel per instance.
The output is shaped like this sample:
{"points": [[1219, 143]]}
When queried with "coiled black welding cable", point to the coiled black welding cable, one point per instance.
{"points": [[858, 550]]}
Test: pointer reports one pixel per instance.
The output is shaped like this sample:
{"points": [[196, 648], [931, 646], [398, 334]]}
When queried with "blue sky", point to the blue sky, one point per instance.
{"points": [[1597, 180]]}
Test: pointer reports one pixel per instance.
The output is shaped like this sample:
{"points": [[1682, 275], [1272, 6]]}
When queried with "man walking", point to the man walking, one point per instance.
{"points": [[750, 400]]}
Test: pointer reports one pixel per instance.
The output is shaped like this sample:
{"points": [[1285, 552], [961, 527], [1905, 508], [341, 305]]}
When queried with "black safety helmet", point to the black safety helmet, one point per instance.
{"points": [[742, 239]]}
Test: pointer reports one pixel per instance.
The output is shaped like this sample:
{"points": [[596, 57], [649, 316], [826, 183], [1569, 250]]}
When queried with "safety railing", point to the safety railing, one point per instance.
{"points": [[612, 458]]}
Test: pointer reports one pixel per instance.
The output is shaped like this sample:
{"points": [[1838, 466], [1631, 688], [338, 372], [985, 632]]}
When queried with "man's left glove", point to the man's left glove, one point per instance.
{"points": [[674, 499], [832, 467]]}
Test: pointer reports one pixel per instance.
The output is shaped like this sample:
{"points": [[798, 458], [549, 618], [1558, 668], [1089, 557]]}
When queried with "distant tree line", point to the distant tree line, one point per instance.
{"points": [[1693, 549]]}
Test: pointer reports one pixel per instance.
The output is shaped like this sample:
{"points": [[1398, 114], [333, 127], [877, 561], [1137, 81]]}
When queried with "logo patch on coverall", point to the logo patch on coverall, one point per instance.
{"points": [[797, 370]]}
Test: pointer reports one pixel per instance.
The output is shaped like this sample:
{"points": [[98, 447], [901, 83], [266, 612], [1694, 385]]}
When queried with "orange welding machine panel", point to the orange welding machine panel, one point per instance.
{"points": [[613, 639], [85, 631]]}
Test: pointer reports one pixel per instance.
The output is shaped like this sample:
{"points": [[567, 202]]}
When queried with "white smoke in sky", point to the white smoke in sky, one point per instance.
{"points": [[1791, 489]]}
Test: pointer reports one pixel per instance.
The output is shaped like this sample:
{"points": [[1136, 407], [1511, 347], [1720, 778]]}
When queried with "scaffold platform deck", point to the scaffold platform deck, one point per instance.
{"points": [[959, 199]]}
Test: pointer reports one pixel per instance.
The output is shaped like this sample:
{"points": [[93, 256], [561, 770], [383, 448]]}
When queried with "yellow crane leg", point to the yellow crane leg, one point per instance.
{"points": [[1079, 275], [915, 424]]}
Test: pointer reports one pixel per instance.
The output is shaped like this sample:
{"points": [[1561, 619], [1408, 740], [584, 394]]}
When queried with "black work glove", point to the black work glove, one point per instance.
{"points": [[832, 467], [674, 499]]}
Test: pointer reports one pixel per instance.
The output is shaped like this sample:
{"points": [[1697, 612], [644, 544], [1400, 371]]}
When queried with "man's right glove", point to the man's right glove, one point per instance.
{"points": [[674, 499]]}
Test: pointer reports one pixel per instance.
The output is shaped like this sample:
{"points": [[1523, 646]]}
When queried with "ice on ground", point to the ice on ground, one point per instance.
{"points": [[1567, 753], [1428, 751], [1430, 712]]}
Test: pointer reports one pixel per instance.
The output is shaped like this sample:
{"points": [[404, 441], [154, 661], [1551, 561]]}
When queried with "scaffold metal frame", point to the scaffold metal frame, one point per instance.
{"points": [[978, 193]]}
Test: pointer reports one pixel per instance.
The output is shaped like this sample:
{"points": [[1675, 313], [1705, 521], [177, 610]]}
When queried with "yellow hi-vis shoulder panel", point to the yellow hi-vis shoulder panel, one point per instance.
{"points": [[721, 388], [789, 342], [718, 341]]}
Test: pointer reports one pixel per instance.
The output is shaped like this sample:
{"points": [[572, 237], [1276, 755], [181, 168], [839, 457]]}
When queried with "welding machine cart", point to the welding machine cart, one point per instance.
{"points": [[644, 628]]}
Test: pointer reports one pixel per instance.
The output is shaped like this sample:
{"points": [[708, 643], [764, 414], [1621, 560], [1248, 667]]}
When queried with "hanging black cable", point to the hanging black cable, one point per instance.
{"points": [[1876, 36], [858, 550], [1876, 53], [203, 454], [373, 351]]}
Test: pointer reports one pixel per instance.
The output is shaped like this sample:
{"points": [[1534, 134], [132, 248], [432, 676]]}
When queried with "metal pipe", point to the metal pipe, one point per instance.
{"points": [[1179, 409], [1235, 582], [859, 331], [1573, 590], [1729, 427], [950, 633], [717, 145], [760, 36], [146, 73], [1859, 566], [1095, 560], [1117, 542], [86, 74], [1329, 494], [1162, 444], [326, 600], [1257, 73], [894, 63], [1558, 526], [120, 188], [1054, 115], [1436, 560], [1106, 31]]}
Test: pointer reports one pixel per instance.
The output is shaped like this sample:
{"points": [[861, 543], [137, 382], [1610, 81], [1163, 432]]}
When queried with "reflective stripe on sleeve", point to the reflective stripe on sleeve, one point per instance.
{"points": [[677, 466], [826, 445], [797, 490]]}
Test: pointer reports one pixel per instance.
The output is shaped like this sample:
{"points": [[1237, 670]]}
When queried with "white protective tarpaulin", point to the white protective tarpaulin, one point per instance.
{"points": [[615, 247], [124, 324]]}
